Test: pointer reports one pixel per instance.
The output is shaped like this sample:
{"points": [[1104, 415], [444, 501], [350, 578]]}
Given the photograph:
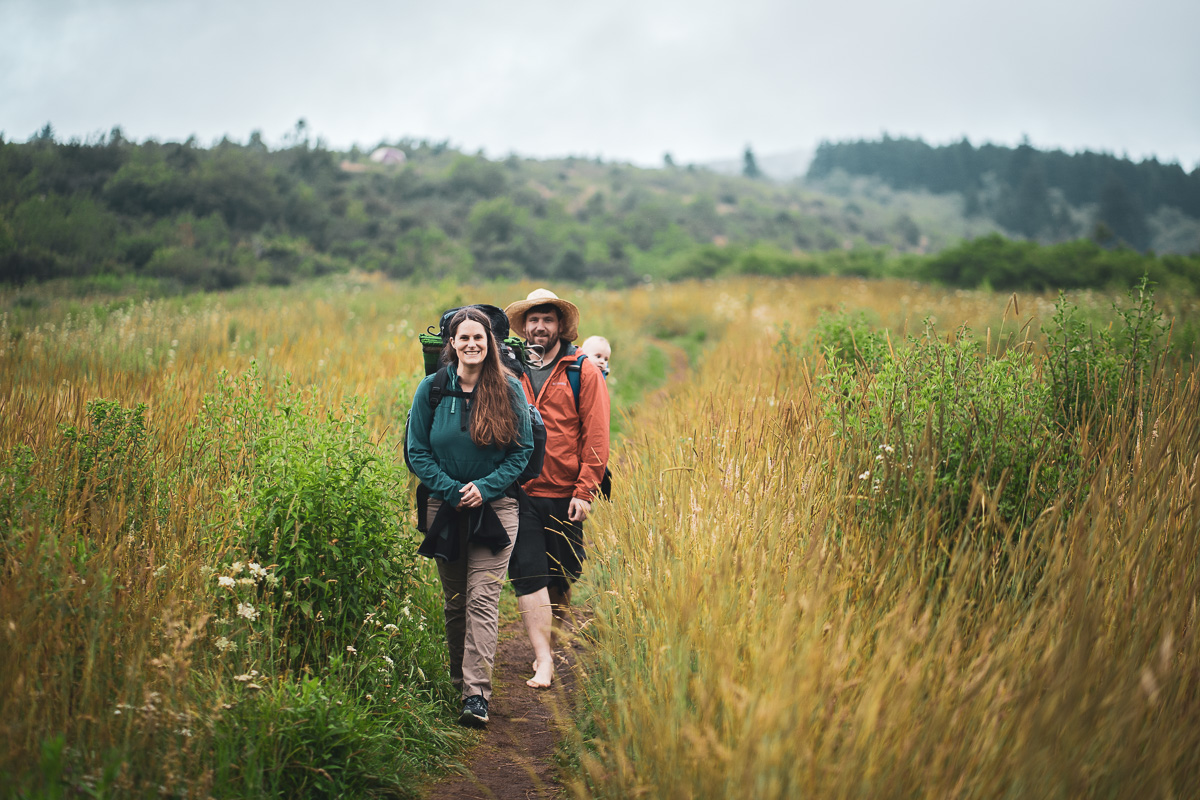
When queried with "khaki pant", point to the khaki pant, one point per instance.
{"points": [[471, 589]]}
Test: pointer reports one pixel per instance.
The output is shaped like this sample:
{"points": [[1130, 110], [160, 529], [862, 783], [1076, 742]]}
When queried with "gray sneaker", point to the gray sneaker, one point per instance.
{"points": [[474, 713]]}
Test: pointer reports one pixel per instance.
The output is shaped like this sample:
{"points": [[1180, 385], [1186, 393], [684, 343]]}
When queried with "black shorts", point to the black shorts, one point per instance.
{"points": [[549, 549]]}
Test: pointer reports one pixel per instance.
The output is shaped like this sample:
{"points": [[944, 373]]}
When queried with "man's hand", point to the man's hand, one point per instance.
{"points": [[579, 510], [471, 498]]}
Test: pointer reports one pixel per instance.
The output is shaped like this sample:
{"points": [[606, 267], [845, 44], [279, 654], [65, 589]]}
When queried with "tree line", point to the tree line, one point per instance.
{"points": [[1031, 193]]}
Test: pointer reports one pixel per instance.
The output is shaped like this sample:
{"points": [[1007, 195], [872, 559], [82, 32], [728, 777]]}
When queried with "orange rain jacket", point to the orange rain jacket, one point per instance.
{"points": [[576, 441]]}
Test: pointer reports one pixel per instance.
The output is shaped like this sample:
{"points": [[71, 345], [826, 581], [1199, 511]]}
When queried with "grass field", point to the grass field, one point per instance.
{"points": [[860, 551]]}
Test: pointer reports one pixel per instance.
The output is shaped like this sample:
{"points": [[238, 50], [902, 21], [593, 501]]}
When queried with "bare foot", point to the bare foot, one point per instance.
{"points": [[542, 675]]}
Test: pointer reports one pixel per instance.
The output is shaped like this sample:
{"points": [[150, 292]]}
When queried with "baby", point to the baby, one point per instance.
{"points": [[599, 351]]}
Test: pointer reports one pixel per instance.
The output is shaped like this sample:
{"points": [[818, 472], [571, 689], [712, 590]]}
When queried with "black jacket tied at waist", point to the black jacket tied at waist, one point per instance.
{"points": [[482, 526]]}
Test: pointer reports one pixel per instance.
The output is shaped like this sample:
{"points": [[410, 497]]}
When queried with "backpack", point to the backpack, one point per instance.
{"points": [[512, 348], [573, 371]]}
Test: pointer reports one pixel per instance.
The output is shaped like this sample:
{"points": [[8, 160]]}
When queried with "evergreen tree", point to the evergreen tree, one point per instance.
{"points": [[1123, 214], [1026, 208], [750, 165]]}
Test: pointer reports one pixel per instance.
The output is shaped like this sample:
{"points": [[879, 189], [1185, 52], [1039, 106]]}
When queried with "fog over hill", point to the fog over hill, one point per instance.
{"points": [[785, 166]]}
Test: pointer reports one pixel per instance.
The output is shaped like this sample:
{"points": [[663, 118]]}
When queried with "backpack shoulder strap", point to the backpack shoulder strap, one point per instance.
{"points": [[438, 387], [438, 390], [573, 371]]}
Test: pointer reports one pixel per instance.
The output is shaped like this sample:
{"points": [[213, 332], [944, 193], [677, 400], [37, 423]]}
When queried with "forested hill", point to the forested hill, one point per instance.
{"points": [[177, 216], [216, 217], [1033, 193]]}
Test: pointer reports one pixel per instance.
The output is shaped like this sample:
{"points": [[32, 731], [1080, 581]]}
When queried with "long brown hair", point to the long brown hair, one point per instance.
{"points": [[493, 420]]}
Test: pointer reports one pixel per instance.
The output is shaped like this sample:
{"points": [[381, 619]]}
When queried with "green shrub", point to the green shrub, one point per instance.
{"points": [[23, 500], [1093, 369], [846, 339], [315, 499], [105, 464], [313, 738], [937, 419]]}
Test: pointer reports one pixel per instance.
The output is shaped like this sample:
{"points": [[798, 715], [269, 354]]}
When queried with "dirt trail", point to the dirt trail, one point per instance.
{"points": [[514, 758]]}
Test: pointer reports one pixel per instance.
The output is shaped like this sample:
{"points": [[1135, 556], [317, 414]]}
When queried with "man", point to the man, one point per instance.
{"points": [[549, 553]]}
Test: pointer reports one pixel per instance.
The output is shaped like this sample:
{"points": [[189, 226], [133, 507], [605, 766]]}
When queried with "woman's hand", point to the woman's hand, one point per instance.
{"points": [[471, 498]]}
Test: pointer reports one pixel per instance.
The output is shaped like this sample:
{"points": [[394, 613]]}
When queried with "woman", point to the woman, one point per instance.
{"points": [[468, 447]]}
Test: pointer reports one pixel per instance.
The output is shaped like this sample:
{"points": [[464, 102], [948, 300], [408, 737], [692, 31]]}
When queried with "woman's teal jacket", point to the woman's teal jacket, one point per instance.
{"points": [[444, 457]]}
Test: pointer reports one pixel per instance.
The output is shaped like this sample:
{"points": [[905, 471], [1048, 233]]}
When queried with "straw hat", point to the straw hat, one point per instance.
{"points": [[568, 327]]}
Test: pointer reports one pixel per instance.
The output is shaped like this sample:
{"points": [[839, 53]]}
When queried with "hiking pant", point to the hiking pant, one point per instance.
{"points": [[471, 592]]}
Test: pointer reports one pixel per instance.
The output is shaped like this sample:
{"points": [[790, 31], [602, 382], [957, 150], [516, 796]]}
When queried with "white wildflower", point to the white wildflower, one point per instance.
{"points": [[243, 678], [390, 628], [224, 645], [389, 661], [256, 570], [350, 649], [246, 581], [865, 475], [248, 611], [226, 581], [236, 567]]}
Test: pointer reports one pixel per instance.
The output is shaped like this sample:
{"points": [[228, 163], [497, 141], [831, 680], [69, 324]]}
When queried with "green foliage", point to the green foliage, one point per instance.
{"points": [[23, 500], [106, 464], [944, 423], [306, 737], [844, 339], [1004, 264], [318, 501], [426, 251], [1092, 369], [976, 443], [477, 175]]}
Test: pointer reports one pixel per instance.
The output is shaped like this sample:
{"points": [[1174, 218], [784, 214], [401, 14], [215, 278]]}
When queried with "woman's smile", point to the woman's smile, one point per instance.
{"points": [[470, 343]]}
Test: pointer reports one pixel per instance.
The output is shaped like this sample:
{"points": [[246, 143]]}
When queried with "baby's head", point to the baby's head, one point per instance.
{"points": [[598, 350]]}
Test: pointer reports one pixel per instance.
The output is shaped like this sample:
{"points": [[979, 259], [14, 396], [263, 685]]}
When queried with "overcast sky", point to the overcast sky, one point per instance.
{"points": [[622, 79]]}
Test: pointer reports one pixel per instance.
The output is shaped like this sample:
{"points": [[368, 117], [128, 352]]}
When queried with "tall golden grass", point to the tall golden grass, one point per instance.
{"points": [[753, 636], [108, 660], [750, 638]]}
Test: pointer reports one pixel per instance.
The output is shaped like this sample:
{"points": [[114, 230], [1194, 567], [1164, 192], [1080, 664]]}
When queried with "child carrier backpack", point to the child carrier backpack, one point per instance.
{"points": [[573, 371]]}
